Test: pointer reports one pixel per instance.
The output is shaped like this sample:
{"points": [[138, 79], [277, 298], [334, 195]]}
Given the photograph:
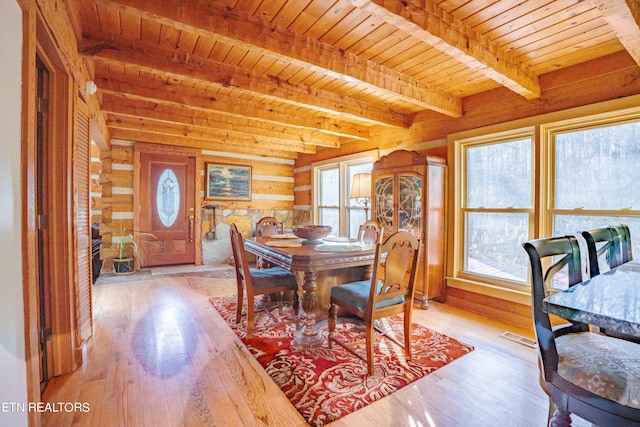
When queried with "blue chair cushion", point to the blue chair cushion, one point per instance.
{"points": [[356, 294], [275, 276]]}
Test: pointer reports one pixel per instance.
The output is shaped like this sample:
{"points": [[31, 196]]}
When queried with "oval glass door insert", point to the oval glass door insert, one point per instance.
{"points": [[168, 197]]}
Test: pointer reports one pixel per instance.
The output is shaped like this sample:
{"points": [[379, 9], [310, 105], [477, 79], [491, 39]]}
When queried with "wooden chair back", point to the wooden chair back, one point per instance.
{"points": [[268, 226], [371, 232], [241, 266], [395, 268]]}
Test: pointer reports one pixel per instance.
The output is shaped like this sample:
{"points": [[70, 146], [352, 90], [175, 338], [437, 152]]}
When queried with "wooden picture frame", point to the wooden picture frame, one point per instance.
{"points": [[227, 182]]}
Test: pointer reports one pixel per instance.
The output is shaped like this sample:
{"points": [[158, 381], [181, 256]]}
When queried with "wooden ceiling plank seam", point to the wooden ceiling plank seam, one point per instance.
{"points": [[339, 24], [565, 28], [143, 89], [572, 37], [442, 31], [192, 68], [306, 52], [472, 9], [623, 16], [269, 9], [503, 13], [288, 13], [606, 47], [309, 15], [540, 19], [358, 33]]}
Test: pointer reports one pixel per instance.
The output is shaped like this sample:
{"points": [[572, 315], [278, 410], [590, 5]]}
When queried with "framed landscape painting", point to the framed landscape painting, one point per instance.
{"points": [[228, 182]]}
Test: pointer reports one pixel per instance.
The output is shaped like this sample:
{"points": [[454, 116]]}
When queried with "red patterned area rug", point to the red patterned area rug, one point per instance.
{"points": [[326, 384]]}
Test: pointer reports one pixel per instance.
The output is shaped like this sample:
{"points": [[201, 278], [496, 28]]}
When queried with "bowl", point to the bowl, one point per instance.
{"points": [[311, 232]]}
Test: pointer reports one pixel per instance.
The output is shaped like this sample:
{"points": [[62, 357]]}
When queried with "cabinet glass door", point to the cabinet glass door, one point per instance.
{"points": [[383, 208], [410, 204]]}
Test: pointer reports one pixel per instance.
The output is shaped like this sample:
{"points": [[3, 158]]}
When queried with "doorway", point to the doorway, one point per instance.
{"points": [[168, 232], [42, 215]]}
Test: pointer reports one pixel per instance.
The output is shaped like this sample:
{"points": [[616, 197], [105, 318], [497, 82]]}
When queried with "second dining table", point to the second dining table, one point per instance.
{"points": [[610, 300], [320, 266]]}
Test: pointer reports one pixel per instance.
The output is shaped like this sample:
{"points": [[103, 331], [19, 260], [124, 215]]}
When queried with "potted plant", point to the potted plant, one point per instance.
{"points": [[128, 250]]}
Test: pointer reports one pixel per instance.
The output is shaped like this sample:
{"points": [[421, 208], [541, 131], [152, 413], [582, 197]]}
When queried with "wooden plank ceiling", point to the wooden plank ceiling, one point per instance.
{"points": [[282, 77]]}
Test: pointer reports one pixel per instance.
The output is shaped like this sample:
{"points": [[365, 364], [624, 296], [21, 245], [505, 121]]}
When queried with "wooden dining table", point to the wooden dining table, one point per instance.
{"points": [[610, 300], [320, 266]]}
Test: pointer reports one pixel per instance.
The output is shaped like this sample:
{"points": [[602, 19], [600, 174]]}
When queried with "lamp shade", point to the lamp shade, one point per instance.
{"points": [[361, 186]]}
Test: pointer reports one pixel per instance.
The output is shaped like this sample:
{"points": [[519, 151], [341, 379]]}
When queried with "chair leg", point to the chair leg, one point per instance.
{"points": [[250, 313], [239, 305], [407, 337], [369, 336], [331, 322], [560, 419]]}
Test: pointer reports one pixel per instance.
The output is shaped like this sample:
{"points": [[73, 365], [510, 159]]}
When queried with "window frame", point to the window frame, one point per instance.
{"points": [[548, 133], [604, 113], [462, 209], [343, 164]]}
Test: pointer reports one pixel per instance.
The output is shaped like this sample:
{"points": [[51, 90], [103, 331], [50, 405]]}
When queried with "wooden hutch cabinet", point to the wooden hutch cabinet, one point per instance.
{"points": [[409, 195]]}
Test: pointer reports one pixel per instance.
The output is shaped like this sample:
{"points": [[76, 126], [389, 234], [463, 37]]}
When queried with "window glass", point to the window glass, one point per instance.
{"points": [[498, 184], [596, 168], [494, 244], [329, 185], [168, 197], [333, 189], [499, 175]]}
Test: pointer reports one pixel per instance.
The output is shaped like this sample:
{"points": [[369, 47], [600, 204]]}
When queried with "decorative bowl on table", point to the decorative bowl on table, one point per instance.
{"points": [[312, 233]]}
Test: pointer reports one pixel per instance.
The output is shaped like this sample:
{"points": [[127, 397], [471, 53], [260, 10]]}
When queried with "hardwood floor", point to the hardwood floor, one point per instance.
{"points": [[162, 356]]}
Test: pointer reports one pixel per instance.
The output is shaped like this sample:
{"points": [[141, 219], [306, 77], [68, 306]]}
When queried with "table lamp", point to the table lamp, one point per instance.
{"points": [[361, 190]]}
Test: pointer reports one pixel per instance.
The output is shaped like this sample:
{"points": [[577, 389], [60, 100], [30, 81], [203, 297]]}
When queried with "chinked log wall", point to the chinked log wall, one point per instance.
{"points": [[113, 198]]}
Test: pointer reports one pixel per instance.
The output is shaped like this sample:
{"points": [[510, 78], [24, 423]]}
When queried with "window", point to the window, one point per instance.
{"points": [[595, 176], [332, 188], [497, 206], [549, 179]]}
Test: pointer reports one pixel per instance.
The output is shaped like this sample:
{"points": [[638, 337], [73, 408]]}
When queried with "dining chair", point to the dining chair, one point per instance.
{"points": [[265, 227], [616, 250], [268, 226], [603, 247], [370, 232], [593, 376], [389, 292], [273, 280], [624, 235]]}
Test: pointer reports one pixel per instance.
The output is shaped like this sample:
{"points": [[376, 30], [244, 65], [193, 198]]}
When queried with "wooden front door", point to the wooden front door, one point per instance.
{"points": [[167, 209]]}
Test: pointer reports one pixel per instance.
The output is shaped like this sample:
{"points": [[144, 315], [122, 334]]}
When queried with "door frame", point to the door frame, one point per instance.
{"points": [[144, 147], [66, 350]]}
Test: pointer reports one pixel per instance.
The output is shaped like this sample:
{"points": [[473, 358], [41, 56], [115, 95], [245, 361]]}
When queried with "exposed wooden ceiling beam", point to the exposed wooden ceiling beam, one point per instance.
{"points": [[181, 141], [623, 16], [265, 38], [161, 92], [124, 107], [438, 28], [179, 64], [162, 130]]}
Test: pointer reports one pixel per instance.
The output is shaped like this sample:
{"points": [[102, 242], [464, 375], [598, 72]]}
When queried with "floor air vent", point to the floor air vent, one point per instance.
{"points": [[519, 339]]}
